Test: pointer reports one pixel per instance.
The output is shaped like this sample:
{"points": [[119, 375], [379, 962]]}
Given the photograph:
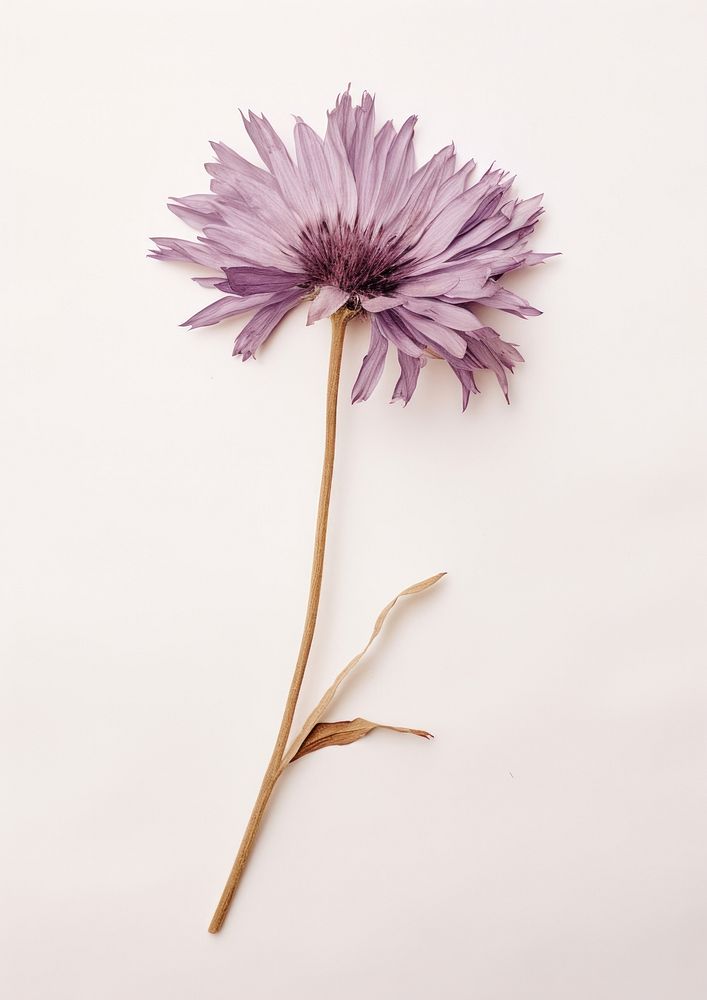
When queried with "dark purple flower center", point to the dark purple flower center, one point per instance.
{"points": [[361, 263]]}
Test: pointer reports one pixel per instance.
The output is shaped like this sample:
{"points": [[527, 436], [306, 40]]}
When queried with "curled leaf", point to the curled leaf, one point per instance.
{"points": [[330, 734], [315, 716]]}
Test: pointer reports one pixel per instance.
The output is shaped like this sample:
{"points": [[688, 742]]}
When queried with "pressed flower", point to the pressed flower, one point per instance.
{"points": [[350, 222], [351, 226]]}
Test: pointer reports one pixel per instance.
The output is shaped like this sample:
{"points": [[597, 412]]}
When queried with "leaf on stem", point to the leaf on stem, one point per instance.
{"points": [[331, 734], [316, 715]]}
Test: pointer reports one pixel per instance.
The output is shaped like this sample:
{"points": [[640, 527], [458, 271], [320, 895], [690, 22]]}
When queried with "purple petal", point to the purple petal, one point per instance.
{"points": [[409, 371], [342, 118], [361, 147], [451, 220], [255, 280], [401, 334], [372, 366], [327, 302], [240, 168], [498, 297], [506, 353], [432, 332], [213, 281], [250, 242], [473, 279], [341, 174], [444, 312], [420, 194], [489, 352], [531, 259], [236, 194], [370, 176], [261, 325], [398, 170], [466, 378], [197, 210], [271, 148], [314, 170], [525, 212], [454, 185], [479, 235], [378, 303], [198, 253], [274, 155], [229, 305], [435, 283]]}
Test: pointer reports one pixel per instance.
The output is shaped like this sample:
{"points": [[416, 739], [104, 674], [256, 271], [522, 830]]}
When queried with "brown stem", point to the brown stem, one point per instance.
{"points": [[338, 328]]}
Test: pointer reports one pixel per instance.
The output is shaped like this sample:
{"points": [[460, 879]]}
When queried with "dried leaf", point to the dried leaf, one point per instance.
{"points": [[316, 715], [331, 734]]}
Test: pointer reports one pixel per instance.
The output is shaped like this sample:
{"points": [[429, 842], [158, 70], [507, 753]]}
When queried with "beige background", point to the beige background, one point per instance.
{"points": [[159, 501]]}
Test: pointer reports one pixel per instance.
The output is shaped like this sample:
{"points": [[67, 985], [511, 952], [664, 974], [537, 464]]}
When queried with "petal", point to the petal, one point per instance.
{"points": [[419, 196], [531, 259], [450, 222], [213, 281], [229, 305], [487, 352], [466, 378], [372, 366], [434, 283], [506, 353], [255, 280], [498, 297], [525, 213], [314, 171], [261, 325], [450, 315], [454, 185], [362, 139], [369, 180], [271, 148], [473, 279], [196, 210], [274, 155], [240, 168], [341, 174], [235, 192], [479, 235], [409, 371], [488, 206], [378, 303], [342, 118], [402, 335], [249, 243], [398, 171], [327, 302], [198, 253], [435, 333]]}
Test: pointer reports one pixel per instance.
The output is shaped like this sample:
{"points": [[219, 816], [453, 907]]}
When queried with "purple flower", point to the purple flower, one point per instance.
{"points": [[352, 223]]}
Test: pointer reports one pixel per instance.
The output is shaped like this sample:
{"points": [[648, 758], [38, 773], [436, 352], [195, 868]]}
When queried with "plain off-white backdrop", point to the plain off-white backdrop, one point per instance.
{"points": [[158, 505]]}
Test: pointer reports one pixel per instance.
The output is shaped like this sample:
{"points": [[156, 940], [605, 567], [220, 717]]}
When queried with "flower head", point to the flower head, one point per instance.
{"points": [[351, 222]]}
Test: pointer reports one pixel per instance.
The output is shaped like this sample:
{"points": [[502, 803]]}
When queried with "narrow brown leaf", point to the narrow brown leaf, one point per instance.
{"points": [[314, 716], [330, 734]]}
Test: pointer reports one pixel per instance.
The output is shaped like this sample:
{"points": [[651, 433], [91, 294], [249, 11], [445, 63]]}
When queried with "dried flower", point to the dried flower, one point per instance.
{"points": [[352, 222], [353, 227]]}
